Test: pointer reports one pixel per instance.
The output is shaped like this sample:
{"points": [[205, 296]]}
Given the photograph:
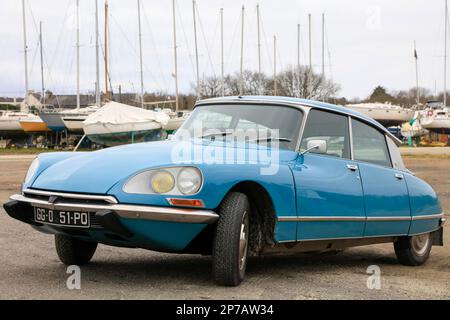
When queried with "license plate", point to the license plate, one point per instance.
{"points": [[62, 218]]}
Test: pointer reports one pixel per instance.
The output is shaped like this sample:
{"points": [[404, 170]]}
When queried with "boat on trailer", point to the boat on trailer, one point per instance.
{"points": [[33, 124], [117, 123], [387, 114]]}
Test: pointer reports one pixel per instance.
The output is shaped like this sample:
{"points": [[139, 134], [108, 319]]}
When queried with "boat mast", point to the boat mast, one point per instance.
{"points": [[259, 38], [97, 59], [258, 16], [222, 71], [42, 63], [140, 53], [25, 47], [106, 50], [175, 56], [298, 60], [196, 50], [78, 54], [241, 80], [445, 53], [416, 57], [275, 84], [323, 45], [310, 43]]}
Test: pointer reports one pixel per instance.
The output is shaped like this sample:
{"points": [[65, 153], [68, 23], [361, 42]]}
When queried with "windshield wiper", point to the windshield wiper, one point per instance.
{"points": [[223, 134], [271, 139]]}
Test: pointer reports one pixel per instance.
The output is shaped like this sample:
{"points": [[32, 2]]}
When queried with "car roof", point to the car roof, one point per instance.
{"points": [[300, 102]]}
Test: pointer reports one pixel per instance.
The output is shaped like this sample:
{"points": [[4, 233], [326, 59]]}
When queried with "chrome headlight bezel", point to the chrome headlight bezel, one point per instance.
{"points": [[141, 183], [32, 170]]}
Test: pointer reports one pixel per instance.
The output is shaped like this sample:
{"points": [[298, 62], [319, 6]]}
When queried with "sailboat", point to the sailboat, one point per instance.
{"points": [[70, 119], [73, 121], [413, 128], [436, 116], [116, 123], [385, 113], [34, 124], [10, 122]]}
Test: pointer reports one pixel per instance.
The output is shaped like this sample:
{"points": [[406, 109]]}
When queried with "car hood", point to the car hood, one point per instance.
{"points": [[97, 172]]}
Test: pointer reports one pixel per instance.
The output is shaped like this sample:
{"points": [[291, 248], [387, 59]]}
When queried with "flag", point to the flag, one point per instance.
{"points": [[415, 54]]}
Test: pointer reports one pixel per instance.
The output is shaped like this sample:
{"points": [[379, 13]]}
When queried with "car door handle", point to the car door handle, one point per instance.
{"points": [[399, 176], [352, 167]]}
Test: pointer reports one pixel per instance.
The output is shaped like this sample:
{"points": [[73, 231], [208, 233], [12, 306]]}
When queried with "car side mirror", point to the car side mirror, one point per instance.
{"points": [[316, 146]]}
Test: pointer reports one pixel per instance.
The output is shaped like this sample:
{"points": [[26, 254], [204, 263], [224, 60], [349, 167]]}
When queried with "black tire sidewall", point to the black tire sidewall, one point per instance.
{"points": [[234, 208]]}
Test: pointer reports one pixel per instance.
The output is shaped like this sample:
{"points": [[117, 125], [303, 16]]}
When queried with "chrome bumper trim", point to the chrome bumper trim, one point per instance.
{"points": [[128, 211]]}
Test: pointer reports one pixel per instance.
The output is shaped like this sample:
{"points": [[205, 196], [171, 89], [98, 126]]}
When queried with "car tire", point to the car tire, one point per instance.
{"points": [[413, 251], [230, 244], [73, 251]]}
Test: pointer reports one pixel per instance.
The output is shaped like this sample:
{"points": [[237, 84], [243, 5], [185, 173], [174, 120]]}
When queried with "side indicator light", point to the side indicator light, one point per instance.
{"points": [[186, 202]]}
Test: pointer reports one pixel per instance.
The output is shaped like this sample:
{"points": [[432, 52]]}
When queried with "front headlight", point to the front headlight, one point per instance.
{"points": [[168, 181], [32, 170], [189, 181], [162, 181]]}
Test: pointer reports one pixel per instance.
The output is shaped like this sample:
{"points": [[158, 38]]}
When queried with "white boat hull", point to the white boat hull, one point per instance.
{"points": [[438, 126], [75, 123], [387, 117]]}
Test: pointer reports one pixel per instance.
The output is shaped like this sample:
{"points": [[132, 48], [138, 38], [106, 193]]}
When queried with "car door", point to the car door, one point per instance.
{"points": [[386, 195], [328, 187]]}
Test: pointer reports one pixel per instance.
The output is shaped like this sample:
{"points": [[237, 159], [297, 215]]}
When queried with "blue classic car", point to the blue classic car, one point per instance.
{"points": [[321, 178]]}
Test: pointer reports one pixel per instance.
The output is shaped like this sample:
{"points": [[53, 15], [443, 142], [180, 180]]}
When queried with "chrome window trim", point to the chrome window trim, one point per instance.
{"points": [[350, 129], [303, 108], [299, 105], [109, 199]]}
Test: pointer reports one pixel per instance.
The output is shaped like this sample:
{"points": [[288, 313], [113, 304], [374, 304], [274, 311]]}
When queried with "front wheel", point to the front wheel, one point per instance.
{"points": [[73, 251], [413, 251], [230, 245]]}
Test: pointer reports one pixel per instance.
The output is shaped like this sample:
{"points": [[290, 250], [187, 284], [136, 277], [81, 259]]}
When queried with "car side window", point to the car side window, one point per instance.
{"points": [[332, 128], [369, 144]]}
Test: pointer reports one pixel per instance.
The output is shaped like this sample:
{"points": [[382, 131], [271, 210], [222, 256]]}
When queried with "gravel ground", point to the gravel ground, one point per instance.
{"points": [[30, 269]]}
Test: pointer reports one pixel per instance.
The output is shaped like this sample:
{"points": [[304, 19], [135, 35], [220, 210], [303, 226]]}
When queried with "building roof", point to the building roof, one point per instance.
{"points": [[300, 102]]}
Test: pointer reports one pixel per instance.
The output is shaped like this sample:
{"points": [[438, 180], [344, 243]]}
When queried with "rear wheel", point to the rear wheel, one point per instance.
{"points": [[230, 244], [413, 251], [73, 251]]}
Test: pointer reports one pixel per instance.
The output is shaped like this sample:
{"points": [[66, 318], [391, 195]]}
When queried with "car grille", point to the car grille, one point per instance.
{"points": [[95, 223]]}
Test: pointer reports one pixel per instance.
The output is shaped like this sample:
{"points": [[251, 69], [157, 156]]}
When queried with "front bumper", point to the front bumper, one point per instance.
{"points": [[137, 225], [92, 203]]}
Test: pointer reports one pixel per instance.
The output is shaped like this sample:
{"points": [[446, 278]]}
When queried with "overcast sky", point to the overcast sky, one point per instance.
{"points": [[369, 43]]}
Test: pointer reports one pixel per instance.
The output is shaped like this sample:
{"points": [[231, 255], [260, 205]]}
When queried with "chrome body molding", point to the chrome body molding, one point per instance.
{"points": [[123, 210], [360, 219]]}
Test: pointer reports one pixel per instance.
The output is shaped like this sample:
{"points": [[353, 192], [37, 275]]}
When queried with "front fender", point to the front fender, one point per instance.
{"points": [[220, 179], [48, 159]]}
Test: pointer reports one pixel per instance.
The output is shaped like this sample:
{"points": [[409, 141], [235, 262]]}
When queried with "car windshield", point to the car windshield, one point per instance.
{"points": [[270, 123]]}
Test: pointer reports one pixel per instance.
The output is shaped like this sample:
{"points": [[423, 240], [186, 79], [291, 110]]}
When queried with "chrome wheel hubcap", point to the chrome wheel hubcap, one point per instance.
{"points": [[243, 242], [420, 243]]}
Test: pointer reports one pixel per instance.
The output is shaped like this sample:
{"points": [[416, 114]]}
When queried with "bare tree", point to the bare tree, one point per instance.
{"points": [[303, 83], [300, 83]]}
